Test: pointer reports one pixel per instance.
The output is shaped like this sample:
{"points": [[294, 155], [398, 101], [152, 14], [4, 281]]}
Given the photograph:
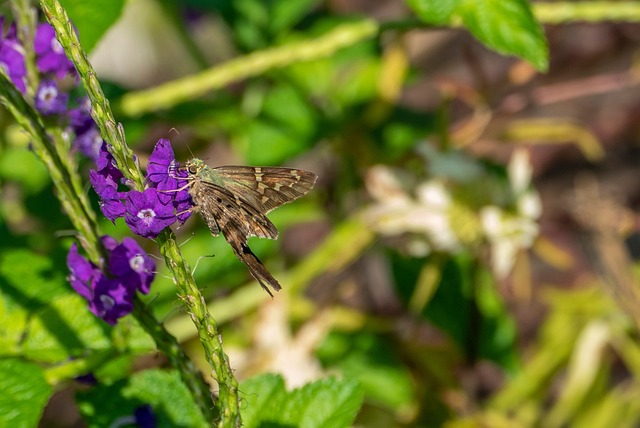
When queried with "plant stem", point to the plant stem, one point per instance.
{"points": [[177, 91]]}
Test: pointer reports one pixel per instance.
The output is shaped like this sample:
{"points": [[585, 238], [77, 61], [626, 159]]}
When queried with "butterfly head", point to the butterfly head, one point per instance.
{"points": [[194, 166]]}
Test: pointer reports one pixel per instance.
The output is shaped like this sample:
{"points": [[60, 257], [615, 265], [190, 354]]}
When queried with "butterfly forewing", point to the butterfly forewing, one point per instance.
{"points": [[266, 187]]}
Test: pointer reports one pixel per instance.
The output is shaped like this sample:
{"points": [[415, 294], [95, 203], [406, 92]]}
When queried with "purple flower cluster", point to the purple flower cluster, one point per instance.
{"points": [[110, 291], [55, 69], [148, 212], [12, 57]]}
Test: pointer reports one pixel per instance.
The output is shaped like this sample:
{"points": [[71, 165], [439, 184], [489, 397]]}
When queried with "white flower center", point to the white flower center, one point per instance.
{"points": [[48, 93], [137, 263], [107, 301], [147, 215]]}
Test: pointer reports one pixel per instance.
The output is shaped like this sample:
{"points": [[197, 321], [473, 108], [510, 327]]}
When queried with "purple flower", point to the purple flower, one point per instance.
{"points": [[106, 165], [162, 166], [183, 206], [49, 100], [80, 117], [12, 58], [83, 274], [130, 263], [144, 417], [109, 242], [110, 199], [111, 299], [146, 214], [90, 143], [50, 57], [163, 172]]}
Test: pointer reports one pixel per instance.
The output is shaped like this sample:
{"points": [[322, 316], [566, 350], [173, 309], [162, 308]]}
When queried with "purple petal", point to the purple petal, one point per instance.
{"points": [[50, 57], [112, 300], [108, 242], [83, 273], [130, 263], [161, 166], [90, 143], [146, 215]]}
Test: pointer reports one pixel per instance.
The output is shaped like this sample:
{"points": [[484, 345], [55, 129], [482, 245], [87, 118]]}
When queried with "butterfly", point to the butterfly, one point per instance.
{"points": [[234, 200]]}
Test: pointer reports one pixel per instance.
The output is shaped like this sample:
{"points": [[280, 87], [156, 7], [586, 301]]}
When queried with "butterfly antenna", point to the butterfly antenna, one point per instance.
{"points": [[187, 240], [198, 262]]}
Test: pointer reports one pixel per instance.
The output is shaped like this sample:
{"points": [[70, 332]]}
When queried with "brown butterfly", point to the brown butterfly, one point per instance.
{"points": [[234, 200]]}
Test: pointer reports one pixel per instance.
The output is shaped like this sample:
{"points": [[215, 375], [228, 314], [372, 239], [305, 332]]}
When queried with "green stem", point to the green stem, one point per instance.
{"points": [[113, 133], [586, 11], [177, 91]]}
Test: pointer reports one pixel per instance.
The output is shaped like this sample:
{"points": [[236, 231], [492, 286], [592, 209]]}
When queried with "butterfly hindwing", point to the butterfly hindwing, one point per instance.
{"points": [[224, 211]]}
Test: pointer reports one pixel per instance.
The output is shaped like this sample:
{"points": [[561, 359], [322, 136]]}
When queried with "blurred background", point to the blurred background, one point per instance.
{"points": [[468, 251]]}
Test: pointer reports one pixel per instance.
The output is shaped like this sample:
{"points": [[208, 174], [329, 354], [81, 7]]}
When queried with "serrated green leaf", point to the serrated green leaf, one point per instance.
{"points": [[25, 392], [506, 26], [434, 11], [92, 18], [169, 397], [325, 403], [264, 396], [63, 329]]}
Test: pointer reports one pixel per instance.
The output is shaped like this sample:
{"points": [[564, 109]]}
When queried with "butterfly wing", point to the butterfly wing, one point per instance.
{"points": [[266, 187], [223, 210], [237, 219]]}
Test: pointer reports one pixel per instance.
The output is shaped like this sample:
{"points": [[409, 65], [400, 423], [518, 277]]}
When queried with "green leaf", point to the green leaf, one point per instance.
{"points": [[63, 329], [264, 396], [13, 322], [162, 390], [324, 403], [103, 404], [25, 392], [434, 11], [30, 279], [92, 18], [506, 26], [169, 397]]}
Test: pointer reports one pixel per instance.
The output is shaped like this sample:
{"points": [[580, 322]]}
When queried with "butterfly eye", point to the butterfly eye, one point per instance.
{"points": [[192, 169]]}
